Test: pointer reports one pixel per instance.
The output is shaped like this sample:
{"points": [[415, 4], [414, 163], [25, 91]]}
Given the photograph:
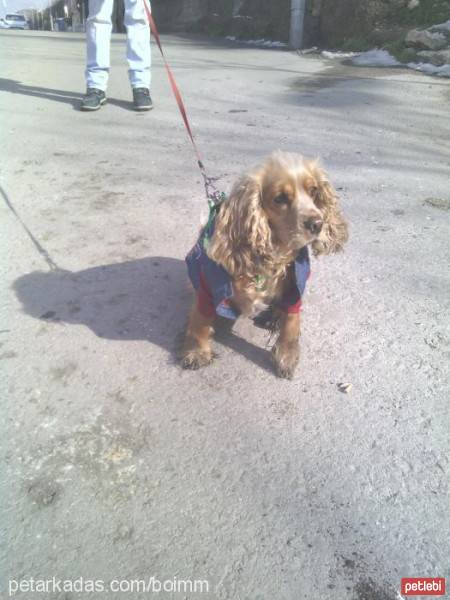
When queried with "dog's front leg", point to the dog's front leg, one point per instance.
{"points": [[197, 350], [286, 352]]}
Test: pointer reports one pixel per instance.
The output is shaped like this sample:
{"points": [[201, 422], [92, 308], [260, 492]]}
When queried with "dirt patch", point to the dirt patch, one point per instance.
{"points": [[367, 589], [104, 452], [441, 203], [43, 492]]}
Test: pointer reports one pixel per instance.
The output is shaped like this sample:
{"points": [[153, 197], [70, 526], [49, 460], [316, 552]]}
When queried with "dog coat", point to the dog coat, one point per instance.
{"points": [[213, 283]]}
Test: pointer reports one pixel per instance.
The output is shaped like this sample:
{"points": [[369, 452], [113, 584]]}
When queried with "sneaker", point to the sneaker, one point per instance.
{"points": [[93, 100], [142, 99]]}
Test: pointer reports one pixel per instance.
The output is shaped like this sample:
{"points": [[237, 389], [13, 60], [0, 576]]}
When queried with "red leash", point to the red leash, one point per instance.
{"points": [[211, 191]]}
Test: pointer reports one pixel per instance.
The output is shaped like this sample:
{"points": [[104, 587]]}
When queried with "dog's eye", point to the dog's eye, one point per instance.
{"points": [[313, 192], [281, 199]]}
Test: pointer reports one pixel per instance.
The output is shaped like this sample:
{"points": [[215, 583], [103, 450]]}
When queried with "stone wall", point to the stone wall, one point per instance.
{"points": [[329, 23], [247, 19], [373, 20], [179, 14]]}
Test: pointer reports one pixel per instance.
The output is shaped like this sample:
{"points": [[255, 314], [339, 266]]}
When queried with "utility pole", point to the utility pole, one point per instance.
{"points": [[83, 15], [297, 20], [50, 14]]}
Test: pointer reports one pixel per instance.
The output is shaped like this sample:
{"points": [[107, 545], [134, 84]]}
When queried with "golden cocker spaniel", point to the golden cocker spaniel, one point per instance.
{"points": [[253, 254]]}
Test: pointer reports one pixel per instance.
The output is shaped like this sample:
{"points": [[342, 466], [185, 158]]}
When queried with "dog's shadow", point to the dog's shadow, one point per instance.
{"points": [[145, 299]]}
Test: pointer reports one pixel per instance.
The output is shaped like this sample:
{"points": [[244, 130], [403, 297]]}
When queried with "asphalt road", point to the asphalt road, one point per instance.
{"points": [[119, 465]]}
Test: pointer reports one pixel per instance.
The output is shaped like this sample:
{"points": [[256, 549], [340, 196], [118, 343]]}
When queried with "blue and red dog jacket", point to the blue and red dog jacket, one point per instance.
{"points": [[213, 283]]}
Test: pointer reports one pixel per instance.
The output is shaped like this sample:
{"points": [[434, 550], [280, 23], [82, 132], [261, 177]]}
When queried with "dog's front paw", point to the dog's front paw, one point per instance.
{"points": [[286, 359], [268, 319], [196, 358]]}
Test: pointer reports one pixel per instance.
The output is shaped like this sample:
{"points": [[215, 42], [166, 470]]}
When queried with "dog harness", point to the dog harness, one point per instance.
{"points": [[213, 283]]}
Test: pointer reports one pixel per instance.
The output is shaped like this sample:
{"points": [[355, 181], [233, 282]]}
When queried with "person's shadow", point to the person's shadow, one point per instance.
{"points": [[64, 96], [144, 299]]}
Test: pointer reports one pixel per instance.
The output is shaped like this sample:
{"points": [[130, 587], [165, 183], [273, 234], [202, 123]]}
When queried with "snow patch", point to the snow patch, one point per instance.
{"points": [[382, 58], [442, 26], [429, 69], [376, 58], [338, 55], [264, 43]]}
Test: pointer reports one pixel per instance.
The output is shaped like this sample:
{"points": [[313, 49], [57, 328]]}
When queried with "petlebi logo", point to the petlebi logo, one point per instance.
{"points": [[422, 586]]}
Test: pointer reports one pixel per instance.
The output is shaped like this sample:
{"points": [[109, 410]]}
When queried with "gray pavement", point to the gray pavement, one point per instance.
{"points": [[117, 464]]}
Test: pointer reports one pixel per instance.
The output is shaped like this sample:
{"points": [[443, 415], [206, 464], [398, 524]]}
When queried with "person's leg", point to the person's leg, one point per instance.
{"points": [[138, 44], [98, 40]]}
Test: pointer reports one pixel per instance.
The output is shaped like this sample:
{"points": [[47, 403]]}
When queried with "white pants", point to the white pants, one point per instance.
{"points": [[98, 38]]}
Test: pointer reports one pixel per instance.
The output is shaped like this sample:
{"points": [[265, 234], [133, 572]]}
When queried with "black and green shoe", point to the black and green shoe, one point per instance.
{"points": [[93, 99], [142, 99]]}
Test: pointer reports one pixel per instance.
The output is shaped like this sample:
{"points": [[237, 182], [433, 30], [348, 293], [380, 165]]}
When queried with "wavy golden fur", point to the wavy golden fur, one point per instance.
{"points": [[244, 241]]}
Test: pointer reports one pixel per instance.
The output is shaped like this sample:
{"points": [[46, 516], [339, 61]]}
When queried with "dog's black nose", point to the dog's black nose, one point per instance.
{"points": [[314, 225]]}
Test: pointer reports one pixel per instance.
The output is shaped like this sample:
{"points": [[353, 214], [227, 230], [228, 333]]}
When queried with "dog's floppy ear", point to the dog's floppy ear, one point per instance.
{"points": [[334, 232], [242, 235]]}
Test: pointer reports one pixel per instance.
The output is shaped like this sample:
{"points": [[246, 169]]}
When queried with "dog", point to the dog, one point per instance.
{"points": [[253, 254]]}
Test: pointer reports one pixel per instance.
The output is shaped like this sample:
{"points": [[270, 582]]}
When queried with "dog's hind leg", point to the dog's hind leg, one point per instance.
{"points": [[197, 350]]}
